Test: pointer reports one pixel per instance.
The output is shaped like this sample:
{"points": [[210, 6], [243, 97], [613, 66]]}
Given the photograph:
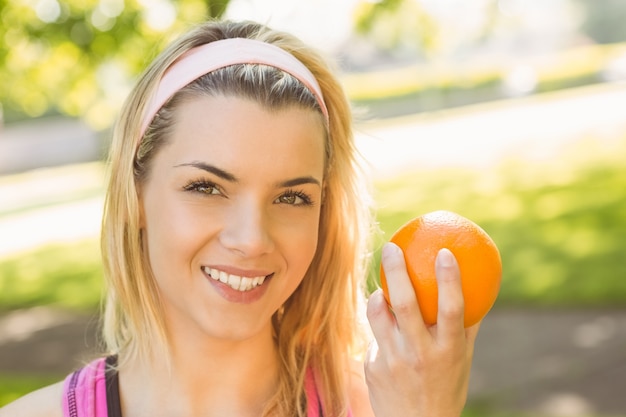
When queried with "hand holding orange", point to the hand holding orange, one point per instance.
{"points": [[477, 255]]}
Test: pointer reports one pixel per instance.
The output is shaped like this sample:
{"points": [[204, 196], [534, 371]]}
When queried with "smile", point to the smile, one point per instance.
{"points": [[234, 281]]}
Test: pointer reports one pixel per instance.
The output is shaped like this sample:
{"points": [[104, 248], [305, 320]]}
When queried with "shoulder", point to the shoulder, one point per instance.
{"points": [[357, 391], [43, 402]]}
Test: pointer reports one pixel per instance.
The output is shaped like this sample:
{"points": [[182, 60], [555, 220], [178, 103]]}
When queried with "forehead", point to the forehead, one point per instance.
{"points": [[240, 132]]}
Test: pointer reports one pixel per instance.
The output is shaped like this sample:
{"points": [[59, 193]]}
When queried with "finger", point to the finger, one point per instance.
{"points": [[381, 320], [451, 306], [470, 336], [472, 332], [401, 293]]}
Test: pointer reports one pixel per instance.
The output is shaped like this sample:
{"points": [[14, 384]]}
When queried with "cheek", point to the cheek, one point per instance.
{"points": [[300, 244], [171, 236]]}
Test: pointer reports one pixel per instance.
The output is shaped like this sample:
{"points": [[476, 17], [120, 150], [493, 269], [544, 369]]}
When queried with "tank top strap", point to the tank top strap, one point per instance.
{"points": [[84, 391]]}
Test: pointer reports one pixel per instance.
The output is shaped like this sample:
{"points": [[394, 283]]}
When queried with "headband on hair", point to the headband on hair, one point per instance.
{"points": [[219, 54]]}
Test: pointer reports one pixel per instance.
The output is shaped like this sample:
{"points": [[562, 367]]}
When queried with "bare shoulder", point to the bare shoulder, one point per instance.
{"points": [[43, 402], [358, 392]]}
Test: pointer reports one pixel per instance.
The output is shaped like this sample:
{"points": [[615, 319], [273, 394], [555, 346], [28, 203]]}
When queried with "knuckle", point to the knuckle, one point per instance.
{"points": [[452, 311], [403, 307]]}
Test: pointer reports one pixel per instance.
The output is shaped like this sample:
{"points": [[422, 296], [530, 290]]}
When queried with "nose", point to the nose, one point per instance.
{"points": [[247, 230]]}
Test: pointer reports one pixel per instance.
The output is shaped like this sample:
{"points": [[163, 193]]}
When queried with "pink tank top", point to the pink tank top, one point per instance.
{"points": [[85, 393]]}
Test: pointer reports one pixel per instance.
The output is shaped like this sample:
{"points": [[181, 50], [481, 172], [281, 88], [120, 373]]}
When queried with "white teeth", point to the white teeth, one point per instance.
{"points": [[234, 281]]}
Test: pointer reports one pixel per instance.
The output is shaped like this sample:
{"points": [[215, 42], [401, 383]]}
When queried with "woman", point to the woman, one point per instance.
{"points": [[235, 245]]}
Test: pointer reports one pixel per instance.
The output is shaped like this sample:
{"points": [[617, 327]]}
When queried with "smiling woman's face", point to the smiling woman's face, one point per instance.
{"points": [[230, 214]]}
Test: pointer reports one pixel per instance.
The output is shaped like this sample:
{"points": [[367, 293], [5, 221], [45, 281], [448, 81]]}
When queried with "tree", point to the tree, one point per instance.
{"points": [[388, 23], [79, 57]]}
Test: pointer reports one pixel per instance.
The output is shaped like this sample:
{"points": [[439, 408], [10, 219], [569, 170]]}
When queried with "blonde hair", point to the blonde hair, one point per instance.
{"points": [[318, 326]]}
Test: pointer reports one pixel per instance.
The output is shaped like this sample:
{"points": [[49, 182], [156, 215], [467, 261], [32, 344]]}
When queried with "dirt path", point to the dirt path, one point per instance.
{"points": [[552, 363]]}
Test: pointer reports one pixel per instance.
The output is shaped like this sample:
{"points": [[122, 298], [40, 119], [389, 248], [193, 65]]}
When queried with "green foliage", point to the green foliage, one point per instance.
{"points": [[559, 226], [368, 13], [216, 8], [63, 275], [80, 57], [13, 387], [387, 23]]}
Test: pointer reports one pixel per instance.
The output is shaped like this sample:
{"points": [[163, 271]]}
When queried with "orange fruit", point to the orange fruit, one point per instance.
{"points": [[477, 255]]}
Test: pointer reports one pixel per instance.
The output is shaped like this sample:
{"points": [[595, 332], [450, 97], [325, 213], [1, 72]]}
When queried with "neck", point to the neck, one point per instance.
{"points": [[206, 377]]}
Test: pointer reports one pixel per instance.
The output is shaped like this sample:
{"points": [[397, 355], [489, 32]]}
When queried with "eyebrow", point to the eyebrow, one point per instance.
{"points": [[300, 181], [225, 175], [210, 168]]}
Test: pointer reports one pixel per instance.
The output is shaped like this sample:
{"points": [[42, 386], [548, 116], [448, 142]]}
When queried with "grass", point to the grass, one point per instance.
{"points": [[68, 276], [13, 387], [559, 226]]}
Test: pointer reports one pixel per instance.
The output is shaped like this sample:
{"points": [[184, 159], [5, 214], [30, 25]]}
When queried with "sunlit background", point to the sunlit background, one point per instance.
{"points": [[509, 112]]}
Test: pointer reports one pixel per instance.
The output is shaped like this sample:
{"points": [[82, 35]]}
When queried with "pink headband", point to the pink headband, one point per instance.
{"points": [[219, 54]]}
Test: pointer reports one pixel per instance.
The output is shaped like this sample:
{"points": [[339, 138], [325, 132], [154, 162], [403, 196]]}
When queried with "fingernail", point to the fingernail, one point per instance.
{"points": [[390, 250], [445, 258]]}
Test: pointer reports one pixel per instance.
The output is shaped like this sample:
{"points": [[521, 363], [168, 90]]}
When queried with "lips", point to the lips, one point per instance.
{"points": [[235, 282]]}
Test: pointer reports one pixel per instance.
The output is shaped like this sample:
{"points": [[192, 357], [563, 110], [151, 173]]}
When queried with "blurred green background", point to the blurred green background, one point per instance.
{"points": [[559, 219]]}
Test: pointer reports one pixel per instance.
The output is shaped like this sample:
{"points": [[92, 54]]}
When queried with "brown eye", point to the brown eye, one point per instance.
{"points": [[208, 189], [203, 187], [294, 198], [288, 199]]}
